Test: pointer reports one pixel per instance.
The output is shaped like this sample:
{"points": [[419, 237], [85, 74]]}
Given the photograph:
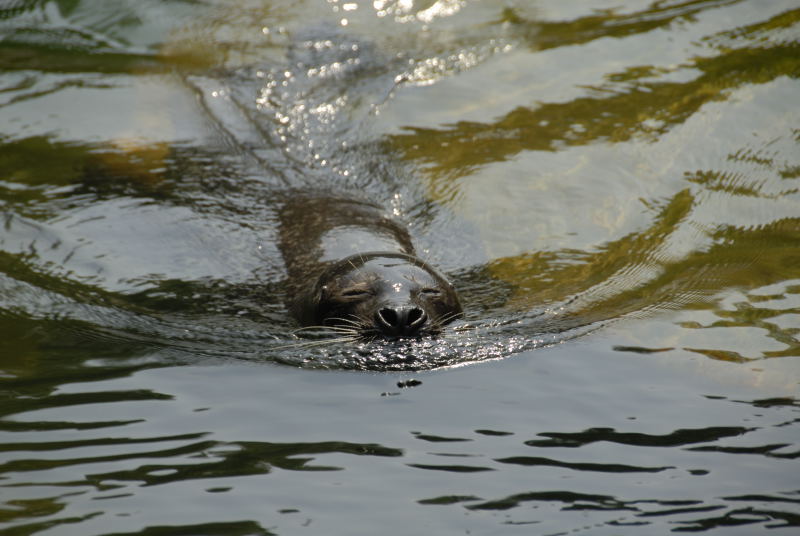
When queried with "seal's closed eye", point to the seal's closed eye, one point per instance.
{"points": [[356, 292], [430, 292]]}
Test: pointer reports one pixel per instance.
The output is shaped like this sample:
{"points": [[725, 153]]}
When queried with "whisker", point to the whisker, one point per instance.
{"points": [[357, 322], [369, 337], [322, 329], [311, 344], [356, 268], [447, 318]]}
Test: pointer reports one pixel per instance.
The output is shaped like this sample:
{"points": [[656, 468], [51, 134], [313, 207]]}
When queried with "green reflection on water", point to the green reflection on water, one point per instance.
{"points": [[642, 103], [616, 114]]}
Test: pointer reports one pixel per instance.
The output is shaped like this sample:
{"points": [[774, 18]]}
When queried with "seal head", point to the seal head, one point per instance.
{"points": [[384, 294]]}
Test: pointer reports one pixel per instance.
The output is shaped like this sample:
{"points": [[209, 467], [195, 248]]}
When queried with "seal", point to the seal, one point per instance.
{"points": [[353, 267]]}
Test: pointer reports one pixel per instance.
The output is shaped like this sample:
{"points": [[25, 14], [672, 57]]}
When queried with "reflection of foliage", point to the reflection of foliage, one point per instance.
{"points": [[747, 314], [226, 34], [217, 33], [638, 108], [743, 258], [221, 460], [120, 167], [222, 528], [634, 274], [21, 162], [541, 35], [65, 60], [642, 270], [545, 277], [735, 183]]}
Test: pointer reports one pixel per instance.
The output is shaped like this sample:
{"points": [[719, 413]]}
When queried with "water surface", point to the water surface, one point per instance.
{"points": [[613, 188]]}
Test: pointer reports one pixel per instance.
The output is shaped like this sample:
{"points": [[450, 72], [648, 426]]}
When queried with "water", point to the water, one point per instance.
{"points": [[613, 189]]}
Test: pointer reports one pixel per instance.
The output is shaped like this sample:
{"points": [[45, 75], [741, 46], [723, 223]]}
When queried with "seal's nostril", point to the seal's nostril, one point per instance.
{"points": [[388, 317], [415, 320], [402, 320]]}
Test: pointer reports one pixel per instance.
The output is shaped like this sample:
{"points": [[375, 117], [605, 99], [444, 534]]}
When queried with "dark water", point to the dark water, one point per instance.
{"points": [[613, 187]]}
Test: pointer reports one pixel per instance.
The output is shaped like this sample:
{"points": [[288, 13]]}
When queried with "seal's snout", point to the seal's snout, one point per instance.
{"points": [[399, 320], [382, 294]]}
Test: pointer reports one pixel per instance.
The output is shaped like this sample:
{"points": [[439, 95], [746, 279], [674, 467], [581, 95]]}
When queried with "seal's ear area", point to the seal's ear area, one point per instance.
{"points": [[456, 300], [319, 303], [308, 307]]}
